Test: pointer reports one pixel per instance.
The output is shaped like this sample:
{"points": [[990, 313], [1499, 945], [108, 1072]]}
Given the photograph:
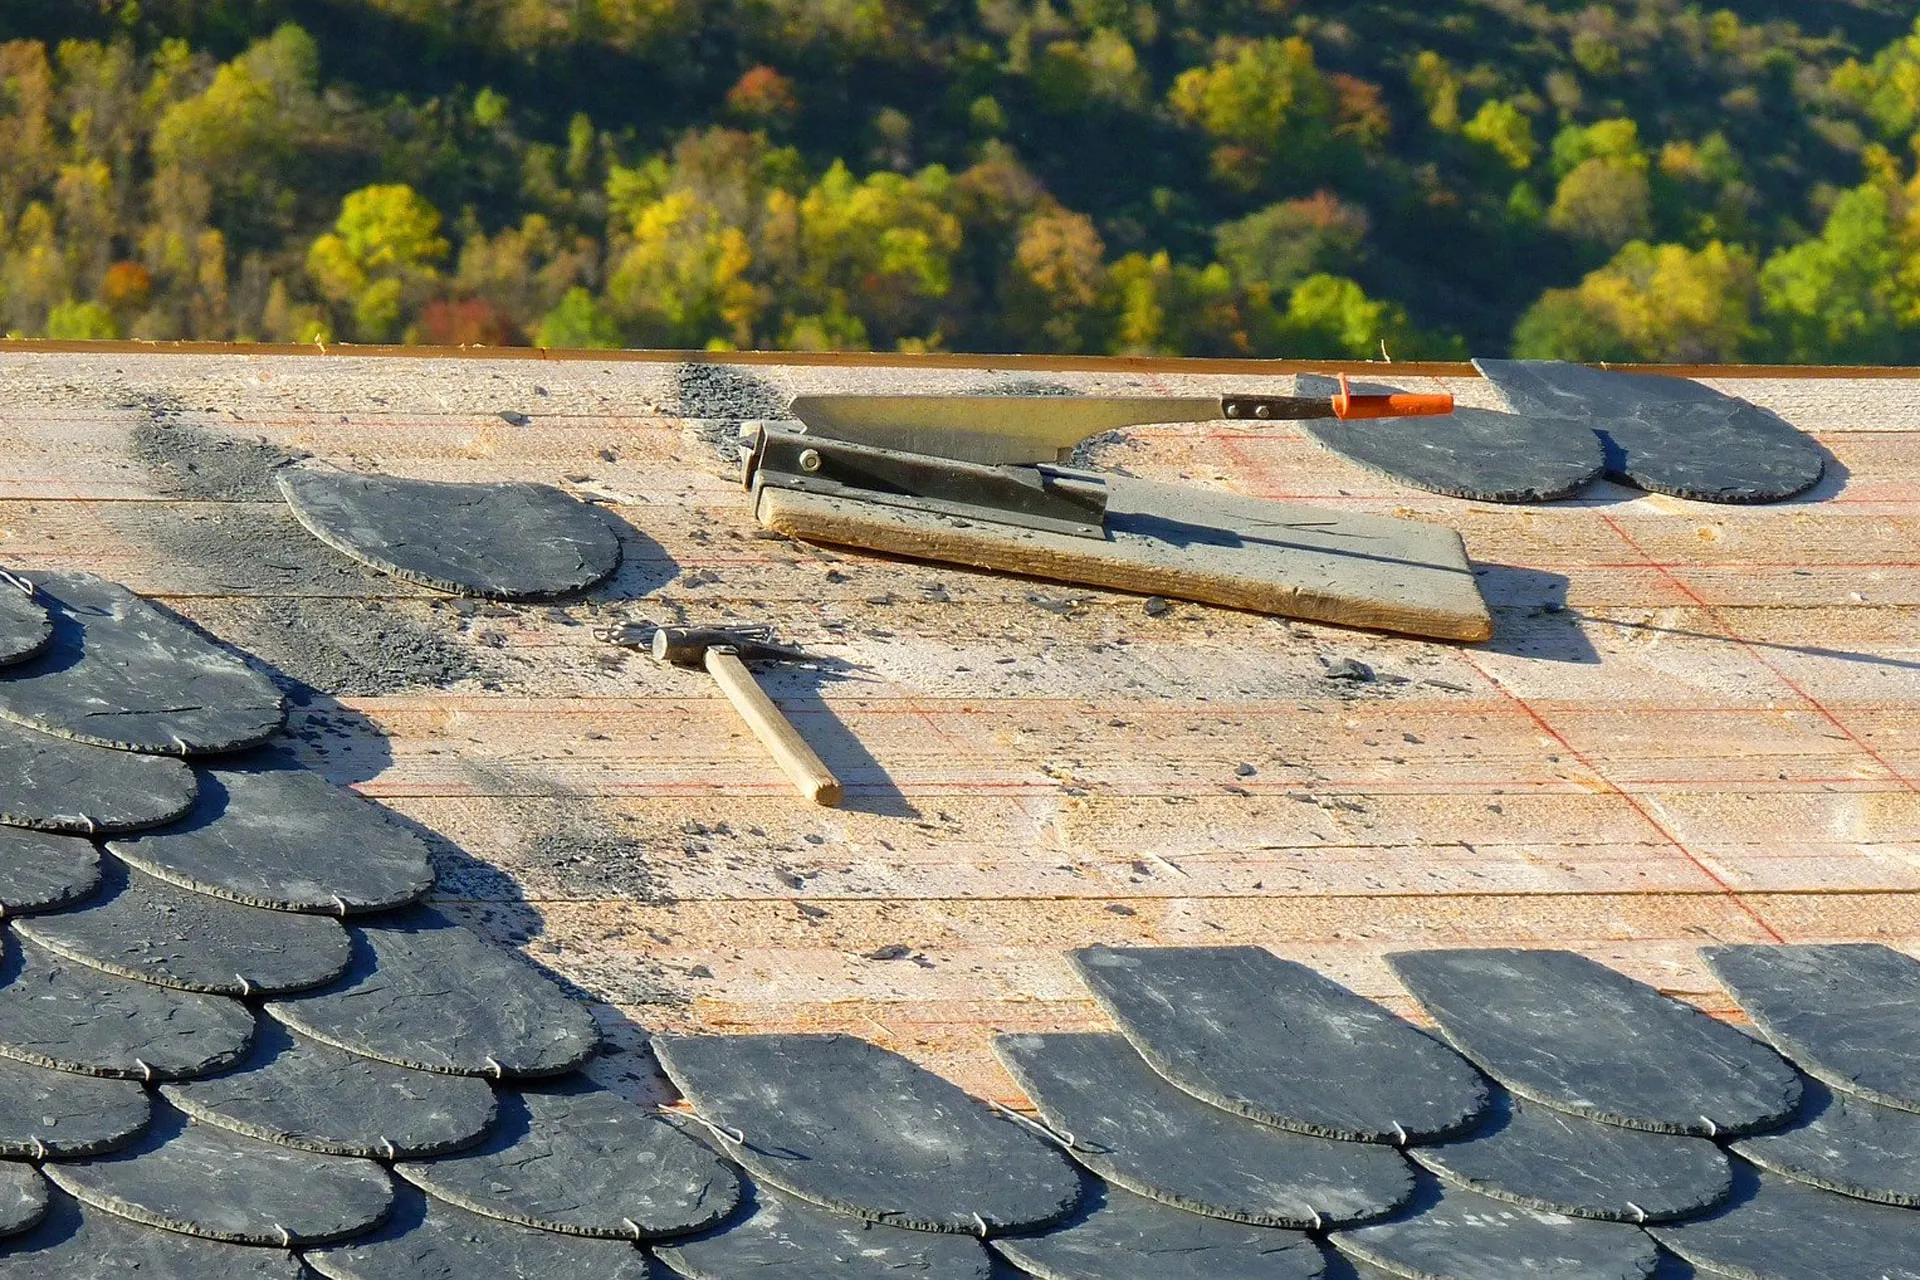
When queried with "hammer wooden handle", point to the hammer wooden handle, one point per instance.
{"points": [[795, 758]]}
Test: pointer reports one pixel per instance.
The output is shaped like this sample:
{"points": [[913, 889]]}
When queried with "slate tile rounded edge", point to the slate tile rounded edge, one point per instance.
{"points": [[1828, 1168], [746, 1155], [74, 1242], [65, 869], [1728, 1241], [764, 1216], [322, 937], [118, 1110], [1102, 1224], [170, 782], [25, 628], [1123, 1175], [23, 1198], [437, 1237]]}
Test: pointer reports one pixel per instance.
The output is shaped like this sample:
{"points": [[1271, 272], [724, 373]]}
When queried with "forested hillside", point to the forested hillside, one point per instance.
{"points": [[1646, 180]]}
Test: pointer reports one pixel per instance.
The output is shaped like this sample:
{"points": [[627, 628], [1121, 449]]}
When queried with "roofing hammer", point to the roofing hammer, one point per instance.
{"points": [[724, 653]]}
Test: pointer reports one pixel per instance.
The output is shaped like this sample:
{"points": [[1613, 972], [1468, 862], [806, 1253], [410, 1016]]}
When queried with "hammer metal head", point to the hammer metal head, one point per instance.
{"points": [[688, 646]]}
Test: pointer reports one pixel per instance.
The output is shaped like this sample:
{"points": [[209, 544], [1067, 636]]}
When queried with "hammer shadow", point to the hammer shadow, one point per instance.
{"points": [[801, 693]]}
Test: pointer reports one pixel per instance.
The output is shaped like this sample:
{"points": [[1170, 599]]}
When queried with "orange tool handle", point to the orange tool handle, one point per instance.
{"points": [[1349, 406]]}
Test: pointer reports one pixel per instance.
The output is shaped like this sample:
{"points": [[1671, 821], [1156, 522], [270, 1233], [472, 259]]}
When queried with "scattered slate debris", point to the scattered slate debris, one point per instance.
{"points": [[1846, 1144], [1157, 607], [1273, 1040], [23, 1197], [1350, 669], [121, 673], [48, 1114], [76, 1242], [44, 872], [1667, 435], [425, 992], [143, 928], [1848, 1013], [425, 1239], [208, 1182], [1453, 1234], [507, 541], [716, 399], [889, 1140], [304, 1094], [1560, 1029], [55, 1013], [25, 629], [576, 1159], [65, 786], [269, 833], [1776, 1229], [1560, 1163], [1477, 454], [1127, 1237], [780, 1238], [1141, 1133]]}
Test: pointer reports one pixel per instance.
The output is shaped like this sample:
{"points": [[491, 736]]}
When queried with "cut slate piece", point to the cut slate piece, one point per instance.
{"points": [[301, 1093], [57, 785], [1449, 1233], [1568, 1032], [208, 1182], [1667, 435], [1469, 453], [1775, 1229], [426, 992], [1848, 1014], [143, 928], [48, 1114], [502, 541], [576, 1159], [121, 673], [1141, 1133], [1263, 1037], [845, 1124], [23, 1197], [55, 1013], [426, 1240], [75, 1242], [781, 1238], [1549, 1160], [43, 872], [1120, 1236], [25, 629], [1842, 1143], [272, 834]]}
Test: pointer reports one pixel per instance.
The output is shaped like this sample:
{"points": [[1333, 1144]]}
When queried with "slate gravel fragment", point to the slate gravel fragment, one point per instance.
{"points": [[23, 1197], [58, 785], [121, 673], [40, 871]]}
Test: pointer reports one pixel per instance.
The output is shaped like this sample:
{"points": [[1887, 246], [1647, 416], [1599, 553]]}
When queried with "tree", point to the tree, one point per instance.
{"points": [[1284, 243], [1056, 281], [1837, 296], [1651, 302], [1604, 195], [1265, 103], [578, 323], [683, 279], [384, 246], [1506, 131]]}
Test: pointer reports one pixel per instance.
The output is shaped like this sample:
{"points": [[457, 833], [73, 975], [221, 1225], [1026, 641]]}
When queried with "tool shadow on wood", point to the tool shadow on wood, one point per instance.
{"points": [[868, 786], [1536, 620]]}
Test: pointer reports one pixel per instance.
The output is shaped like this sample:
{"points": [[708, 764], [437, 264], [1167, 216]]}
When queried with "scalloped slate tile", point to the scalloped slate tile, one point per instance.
{"points": [[503, 541], [1136, 1130], [301, 1093], [1668, 435], [269, 833], [1848, 1014], [1846, 1144], [143, 928], [1452, 1234], [25, 629], [56, 1114], [1549, 1160], [885, 1139], [1469, 453], [1244, 1030], [59, 1014], [425, 992], [23, 1197], [781, 1238], [58, 785], [1775, 1229], [121, 673], [75, 1242], [425, 1239], [1568, 1032], [1121, 1236], [574, 1158], [44, 872], [202, 1181]]}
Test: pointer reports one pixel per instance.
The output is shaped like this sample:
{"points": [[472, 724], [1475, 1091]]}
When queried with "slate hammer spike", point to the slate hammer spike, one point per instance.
{"points": [[724, 653]]}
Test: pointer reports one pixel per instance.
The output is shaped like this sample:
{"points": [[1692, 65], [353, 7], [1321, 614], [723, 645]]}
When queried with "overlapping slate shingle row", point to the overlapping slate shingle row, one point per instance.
{"points": [[236, 1042]]}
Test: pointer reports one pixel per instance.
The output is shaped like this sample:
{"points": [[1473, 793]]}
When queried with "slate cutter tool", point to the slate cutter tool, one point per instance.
{"points": [[723, 653]]}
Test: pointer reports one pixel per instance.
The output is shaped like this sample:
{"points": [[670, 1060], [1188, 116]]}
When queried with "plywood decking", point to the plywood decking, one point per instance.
{"points": [[1695, 723]]}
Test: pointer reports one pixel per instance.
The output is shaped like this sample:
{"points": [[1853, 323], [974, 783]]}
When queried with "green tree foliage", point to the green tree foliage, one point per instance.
{"points": [[385, 244], [1651, 303]]}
